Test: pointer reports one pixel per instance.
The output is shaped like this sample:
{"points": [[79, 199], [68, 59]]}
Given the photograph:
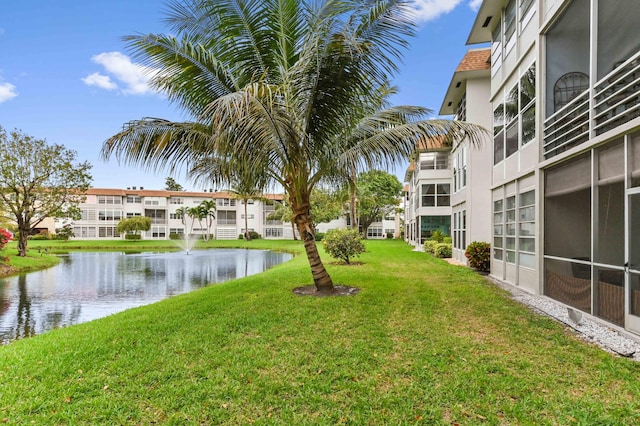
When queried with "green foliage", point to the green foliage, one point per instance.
{"points": [[176, 236], [389, 235], [254, 235], [132, 236], [442, 250], [134, 225], [343, 244], [65, 233], [41, 236], [430, 246], [326, 205], [38, 181], [438, 236], [479, 255], [170, 184], [447, 240], [378, 194]]}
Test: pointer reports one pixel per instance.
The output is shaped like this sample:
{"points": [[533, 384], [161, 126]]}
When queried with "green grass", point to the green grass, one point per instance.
{"points": [[424, 342]]}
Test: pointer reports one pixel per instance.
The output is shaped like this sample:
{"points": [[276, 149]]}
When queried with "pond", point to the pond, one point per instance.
{"points": [[87, 286]]}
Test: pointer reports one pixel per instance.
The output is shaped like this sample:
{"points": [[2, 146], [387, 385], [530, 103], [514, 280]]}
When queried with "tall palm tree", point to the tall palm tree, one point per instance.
{"points": [[208, 211], [271, 85]]}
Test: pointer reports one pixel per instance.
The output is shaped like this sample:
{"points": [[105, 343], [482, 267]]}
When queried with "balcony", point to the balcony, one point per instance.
{"points": [[616, 101]]}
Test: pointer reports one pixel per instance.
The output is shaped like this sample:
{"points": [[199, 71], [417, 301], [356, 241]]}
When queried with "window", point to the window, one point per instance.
{"points": [[436, 195], [175, 215], [434, 161], [130, 214], [226, 202], [109, 199], [249, 216], [176, 200], [496, 48], [460, 169], [107, 231], [84, 231], [132, 199], [152, 202], [87, 214], [528, 105], [273, 232], [498, 134], [526, 12], [460, 230], [527, 229], [374, 232], [498, 229], [509, 26], [510, 229], [109, 214], [226, 217], [461, 111], [177, 231]]}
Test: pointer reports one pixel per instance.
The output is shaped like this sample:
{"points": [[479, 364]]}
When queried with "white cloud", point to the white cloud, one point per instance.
{"points": [[134, 78], [7, 92], [475, 4], [428, 10], [99, 80]]}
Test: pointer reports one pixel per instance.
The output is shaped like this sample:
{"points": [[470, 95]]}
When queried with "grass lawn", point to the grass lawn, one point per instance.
{"points": [[424, 342]]}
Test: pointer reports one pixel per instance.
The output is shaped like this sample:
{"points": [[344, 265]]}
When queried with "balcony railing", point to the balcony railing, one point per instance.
{"points": [[617, 96], [616, 100]]}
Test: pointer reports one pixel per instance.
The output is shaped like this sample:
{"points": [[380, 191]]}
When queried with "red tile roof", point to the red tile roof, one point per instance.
{"points": [[475, 60]]}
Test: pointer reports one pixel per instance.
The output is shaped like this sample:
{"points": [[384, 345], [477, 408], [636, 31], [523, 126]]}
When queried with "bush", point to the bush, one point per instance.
{"points": [[479, 255], [389, 235], [447, 240], [430, 246], [343, 244], [64, 233], [319, 236], [442, 250], [176, 236], [241, 237], [437, 236], [132, 236], [40, 237], [254, 235]]}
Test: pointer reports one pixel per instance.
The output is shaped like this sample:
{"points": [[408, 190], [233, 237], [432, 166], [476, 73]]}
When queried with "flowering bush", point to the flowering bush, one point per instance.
{"points": [[479, 255], [5, 237]]}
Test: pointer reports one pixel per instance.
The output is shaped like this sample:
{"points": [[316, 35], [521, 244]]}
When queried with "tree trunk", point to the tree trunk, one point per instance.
{"points": [[321, 278], [293, 229], [23, 234]]}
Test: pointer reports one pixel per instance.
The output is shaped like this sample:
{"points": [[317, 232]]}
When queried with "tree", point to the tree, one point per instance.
{"points": [[343, 244], [134, 224], [170, 184], [272, 86], [326, 205], [37, 181], [207, 212], [378, 195]]}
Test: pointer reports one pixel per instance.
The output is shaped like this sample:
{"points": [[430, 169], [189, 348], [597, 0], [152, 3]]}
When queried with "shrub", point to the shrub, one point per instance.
{"points": [[319, 236], [479, 255], [442, 250], [254, 235], [389, 235], [437, 236], [430, 246], [41, 236], [447, 240], [64, 233], [175, 236], [241, 236], [5, 237], [343, 244], [132, 236]]}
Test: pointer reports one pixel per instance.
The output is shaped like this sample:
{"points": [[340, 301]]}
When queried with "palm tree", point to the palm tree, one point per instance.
{"points": [[271, 85], [207, 209]]}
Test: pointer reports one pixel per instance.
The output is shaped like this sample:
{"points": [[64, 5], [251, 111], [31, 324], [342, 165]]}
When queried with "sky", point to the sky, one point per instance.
{"points": [[66, 75]]}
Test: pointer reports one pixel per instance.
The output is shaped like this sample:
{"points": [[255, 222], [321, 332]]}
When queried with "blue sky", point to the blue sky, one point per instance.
{"points": [[65, 75]]}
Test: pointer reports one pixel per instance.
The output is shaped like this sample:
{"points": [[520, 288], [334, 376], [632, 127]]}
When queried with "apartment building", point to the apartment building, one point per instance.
{"points": [[564, 167], [104, 208], [427, 196]]}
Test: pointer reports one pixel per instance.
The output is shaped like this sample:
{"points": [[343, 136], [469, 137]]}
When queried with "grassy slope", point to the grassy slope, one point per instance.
{"points": [[424, 342]]}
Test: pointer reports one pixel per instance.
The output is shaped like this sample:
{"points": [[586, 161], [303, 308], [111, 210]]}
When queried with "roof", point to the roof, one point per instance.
{"points": [[409, 172], [476, 63], [164, 193], [486, 20]]}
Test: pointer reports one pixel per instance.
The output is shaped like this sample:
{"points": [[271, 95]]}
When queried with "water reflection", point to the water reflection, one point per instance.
{"points": [[86, 286]]}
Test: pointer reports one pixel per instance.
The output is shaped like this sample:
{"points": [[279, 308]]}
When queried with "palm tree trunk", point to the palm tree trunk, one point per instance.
{"points": [[321, 278], [293, 229], [246, 222]]}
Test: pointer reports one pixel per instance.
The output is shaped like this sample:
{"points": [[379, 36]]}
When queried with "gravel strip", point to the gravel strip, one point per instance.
{"points": [[588, 328]]}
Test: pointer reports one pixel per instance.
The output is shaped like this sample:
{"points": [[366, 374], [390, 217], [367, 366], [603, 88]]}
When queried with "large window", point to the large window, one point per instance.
{"points": [[460, 169], [514, 229], [87, 214], [526, 12], [510, 229], [109, 199], [527, 229], [496, 48], [509, 26], [226, 217], [436, 195], [460, 230], [107, 232], [226, 202], [434, 160], [109, 214], [498, 229], [133, 199]]}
